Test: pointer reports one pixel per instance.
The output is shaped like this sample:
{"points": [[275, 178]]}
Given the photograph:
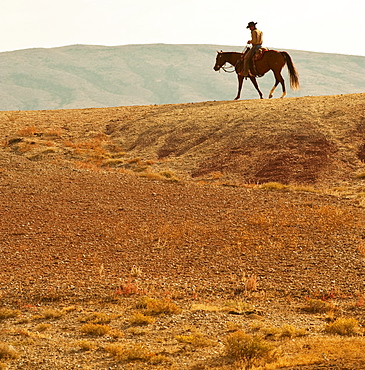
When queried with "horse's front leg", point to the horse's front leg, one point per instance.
{"points": [[240, 83], [254, 82]]}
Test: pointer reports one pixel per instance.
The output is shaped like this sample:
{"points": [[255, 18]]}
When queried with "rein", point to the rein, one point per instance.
{"points": [[225, 68]]}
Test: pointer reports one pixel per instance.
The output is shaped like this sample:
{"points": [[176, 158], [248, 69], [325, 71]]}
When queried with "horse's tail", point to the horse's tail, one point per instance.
{"points": [[293, 73]]}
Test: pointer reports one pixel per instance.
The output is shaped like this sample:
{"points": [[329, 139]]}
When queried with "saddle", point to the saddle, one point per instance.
{"points": [[259, 54], [252, 67]]}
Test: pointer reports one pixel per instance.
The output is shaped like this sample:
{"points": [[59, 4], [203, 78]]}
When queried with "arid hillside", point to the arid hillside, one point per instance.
{"points": [[248, 215], [317, 141], [84, 76]]}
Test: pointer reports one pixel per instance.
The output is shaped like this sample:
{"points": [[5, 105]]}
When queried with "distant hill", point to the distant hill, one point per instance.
{"points": [[81, 76]]}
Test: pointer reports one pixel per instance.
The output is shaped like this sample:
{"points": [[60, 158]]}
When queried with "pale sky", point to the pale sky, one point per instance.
{"points": [[328, 26]]}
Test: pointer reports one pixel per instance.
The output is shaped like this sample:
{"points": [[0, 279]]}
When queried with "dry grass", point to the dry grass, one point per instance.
{"points": [[156, 306], [97, 318], [162, 176], [275, 333], [127, 353], [6, 313], [248, 349], [274, 186], [325, 350], [268, 346], [361, 247], [96, 330], [43, 327], [361, 175], [196, 340], [139, 319], [28, 131], [86, 345], [51, 314], [7, 352], [318, 306], [129, 288], [344, 326]]}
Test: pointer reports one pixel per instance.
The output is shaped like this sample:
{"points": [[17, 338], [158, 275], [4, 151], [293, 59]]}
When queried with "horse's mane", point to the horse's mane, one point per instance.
{"points": [[230, 52]]}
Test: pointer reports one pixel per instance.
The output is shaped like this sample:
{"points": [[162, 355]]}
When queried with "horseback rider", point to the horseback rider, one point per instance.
{"points": [[256, 42]]}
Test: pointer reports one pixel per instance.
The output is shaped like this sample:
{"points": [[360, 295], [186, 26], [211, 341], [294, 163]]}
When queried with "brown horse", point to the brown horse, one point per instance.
{"points": [[272, 60]]}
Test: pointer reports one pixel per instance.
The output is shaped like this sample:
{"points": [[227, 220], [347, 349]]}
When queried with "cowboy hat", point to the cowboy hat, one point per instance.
{"points": [[251, 24]]}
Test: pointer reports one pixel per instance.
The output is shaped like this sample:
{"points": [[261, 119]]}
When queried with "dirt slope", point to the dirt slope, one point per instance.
{"points": [[58, 228], [58, 196], [87, 196], [311, 140]]}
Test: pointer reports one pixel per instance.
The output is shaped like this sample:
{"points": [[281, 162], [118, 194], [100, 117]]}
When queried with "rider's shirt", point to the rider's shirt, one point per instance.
{"points": [[256, 37]]}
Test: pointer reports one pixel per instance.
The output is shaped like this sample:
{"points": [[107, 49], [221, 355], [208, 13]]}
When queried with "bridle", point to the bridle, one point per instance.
{"points": [[225, 69]]}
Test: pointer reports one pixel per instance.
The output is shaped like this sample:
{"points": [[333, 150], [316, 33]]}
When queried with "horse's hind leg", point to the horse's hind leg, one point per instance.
{"points": [[278, 79], [254, 82]]}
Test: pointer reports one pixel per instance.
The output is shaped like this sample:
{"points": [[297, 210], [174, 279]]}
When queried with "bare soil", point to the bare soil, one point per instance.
{"points": [[99, 207]]}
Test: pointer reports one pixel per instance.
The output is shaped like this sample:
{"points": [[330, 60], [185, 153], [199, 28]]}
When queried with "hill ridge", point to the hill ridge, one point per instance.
{"points": [[81, 76], [316, 141]]}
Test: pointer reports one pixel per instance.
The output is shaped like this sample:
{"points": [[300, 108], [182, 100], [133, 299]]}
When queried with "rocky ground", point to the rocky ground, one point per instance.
{"points": [[176, 220]]}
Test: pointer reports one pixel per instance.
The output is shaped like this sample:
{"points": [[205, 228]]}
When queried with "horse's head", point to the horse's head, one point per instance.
{"points": [[220, 61]]}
